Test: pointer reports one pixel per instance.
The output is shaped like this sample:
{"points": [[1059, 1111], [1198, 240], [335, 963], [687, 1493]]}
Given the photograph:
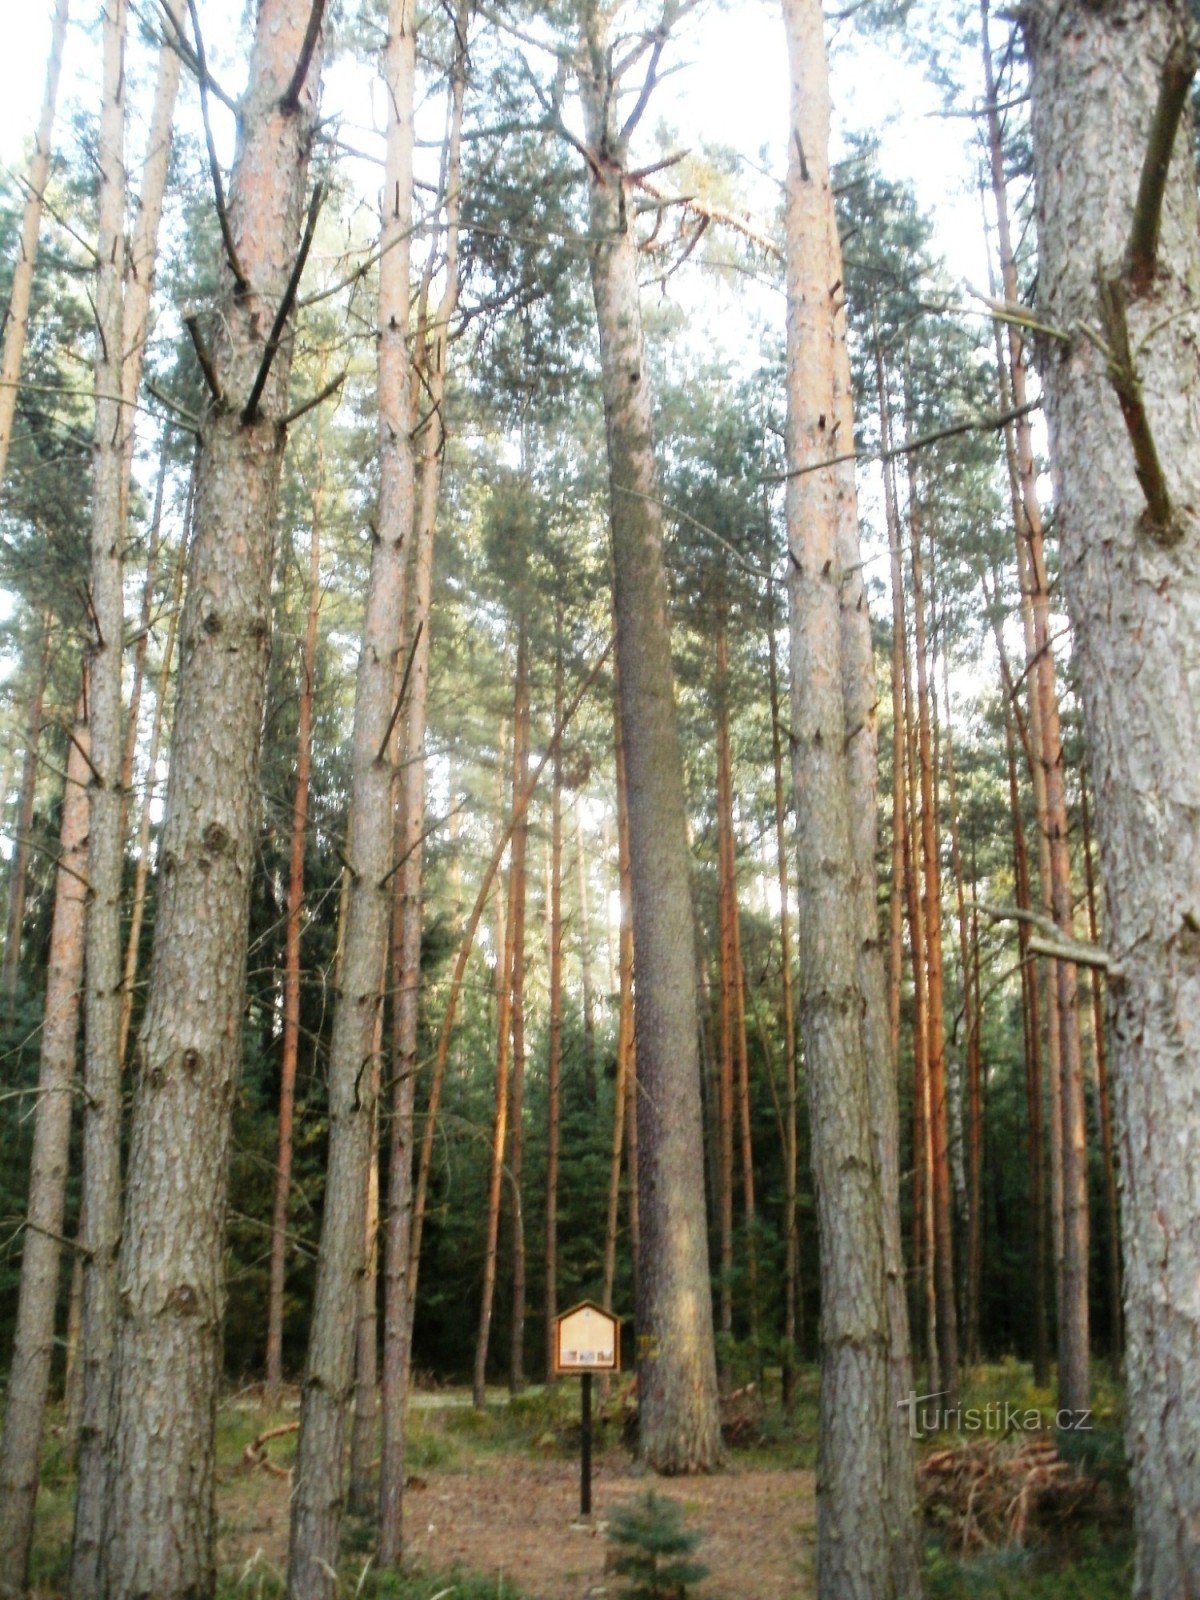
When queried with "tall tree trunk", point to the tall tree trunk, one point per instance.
{"points": [[678, 1423], [364, 1430], [407, 926], [1103, 1092], [101, 1190], [142, 638], [1031, 1017], [554, 1051], [972, 1267], [516, 1120], [317, 1495], [1068, 1114], [1106, 150], [939, 1176], [291, 948], [18, 876], [585, 959], [33, 1343], [168, 1354], [501, 1111], [141, 874], [17, 318], [142, 255], [622, 1104], [441, 1053], [866, 1533]]}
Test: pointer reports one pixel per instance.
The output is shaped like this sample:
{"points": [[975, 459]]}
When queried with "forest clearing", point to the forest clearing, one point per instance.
{"points": [[599, 814]]}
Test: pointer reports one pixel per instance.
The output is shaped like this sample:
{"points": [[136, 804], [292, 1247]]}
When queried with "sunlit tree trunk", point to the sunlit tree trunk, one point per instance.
{"points": [[141, 875], [17, 317], [160, 1526], [678, 1423], [101, 1188], [938, 1109], [1068, 1116], [33, 1341], [399, 1284], [291, 949], [866, 1532], [1113, 167], [317, 1494]]}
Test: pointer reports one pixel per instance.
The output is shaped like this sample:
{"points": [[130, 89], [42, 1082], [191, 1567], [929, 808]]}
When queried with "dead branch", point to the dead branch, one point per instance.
{"points": [[214, 166], [250, 411], [1142, 254]]}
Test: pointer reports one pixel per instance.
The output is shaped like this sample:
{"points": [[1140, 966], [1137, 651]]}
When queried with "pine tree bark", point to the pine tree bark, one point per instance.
{"points": [[160, 1523], [101, 1189], [291, 949], [33, 1342], [141, 258], [1100, 81], [19, 871], [317, 1494], [407, 927], [678, 1423], [141, 874], [21, 290], [866, 1534]]}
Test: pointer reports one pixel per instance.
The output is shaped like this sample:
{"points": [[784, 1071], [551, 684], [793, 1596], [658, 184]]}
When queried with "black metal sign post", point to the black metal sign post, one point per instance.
{"points": [[587, 1340], [585, 1455]]}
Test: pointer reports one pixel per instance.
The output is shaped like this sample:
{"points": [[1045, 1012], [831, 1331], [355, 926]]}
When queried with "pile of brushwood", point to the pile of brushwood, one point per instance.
{"points": [[1009, 1490]]}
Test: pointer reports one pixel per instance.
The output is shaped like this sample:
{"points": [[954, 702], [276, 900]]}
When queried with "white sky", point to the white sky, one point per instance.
{"points": [[732, 91]]}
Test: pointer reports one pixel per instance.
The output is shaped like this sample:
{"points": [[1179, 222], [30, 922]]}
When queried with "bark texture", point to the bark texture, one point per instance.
{"points": [[866, 1527], [33, 1342], [1132, 583], [17, 317], [101, 1195], [317, 1495], [160, 1522], [679, 1429]]}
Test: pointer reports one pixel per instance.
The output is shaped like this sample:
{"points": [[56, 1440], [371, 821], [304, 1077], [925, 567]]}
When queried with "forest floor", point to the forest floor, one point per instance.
{"points": [[496, 1495], [492, 1505]]}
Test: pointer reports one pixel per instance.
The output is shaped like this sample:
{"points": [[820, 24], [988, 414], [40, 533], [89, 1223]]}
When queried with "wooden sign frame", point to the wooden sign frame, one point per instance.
{"points": [[564, 1367]]}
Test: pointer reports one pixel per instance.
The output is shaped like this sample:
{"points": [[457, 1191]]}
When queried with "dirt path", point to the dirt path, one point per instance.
{"points": [[519, 1518]]}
